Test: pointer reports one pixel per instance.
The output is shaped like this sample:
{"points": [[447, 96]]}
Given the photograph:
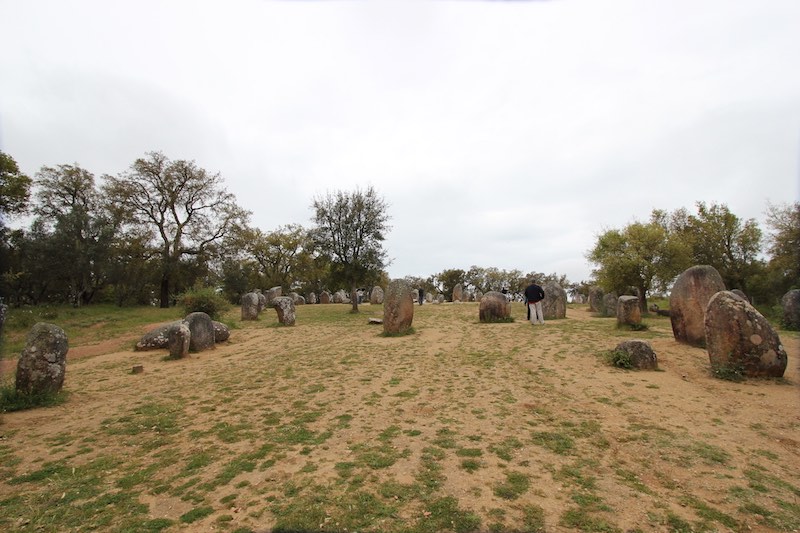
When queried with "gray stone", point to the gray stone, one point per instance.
{"points": [[156, 338], [251, 305], [554, 305], [609, 304], [284, 306], [376, 295], [42, 364], [325, 297], [687, 303], [790, 304], [178, 340], [398, 307], [739, 338], [458, 293], [297, 299], [273, 293], [201, 328], [628, 312], [262, 301], [640, 352], [311, 298], [494, 307], [596, 300], [741, 294], [440, 299], [221, 332]]}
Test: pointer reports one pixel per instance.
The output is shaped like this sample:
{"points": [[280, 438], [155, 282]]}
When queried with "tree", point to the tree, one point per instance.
{"points": [[784, 246], [640, 256], [446, 280], [186, 208], [77, 232], [351, 228], [285, 256], [14, 188], [720, 239]]}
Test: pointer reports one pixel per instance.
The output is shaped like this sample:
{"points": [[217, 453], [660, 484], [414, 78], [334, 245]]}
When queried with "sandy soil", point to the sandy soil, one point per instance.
{"points": [[650, 442]]}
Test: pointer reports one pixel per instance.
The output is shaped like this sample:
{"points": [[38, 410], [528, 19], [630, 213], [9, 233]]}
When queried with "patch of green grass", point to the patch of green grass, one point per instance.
{"points": [[559, 443], [196, 514], [505, 450], [515, 485], [533, 518], [471, 465], [444, 514], [707, 512], [13, 400]]}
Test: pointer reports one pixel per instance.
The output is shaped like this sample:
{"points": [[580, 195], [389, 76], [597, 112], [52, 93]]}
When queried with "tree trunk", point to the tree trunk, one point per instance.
{"points": [[354, 299], [642, 299]]}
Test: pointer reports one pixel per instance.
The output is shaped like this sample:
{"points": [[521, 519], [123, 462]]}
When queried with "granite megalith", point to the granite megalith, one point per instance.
{"points": [[494, 307], [42, 364], [740, 340], [596, 299], [324, 297], [250, 306], [178, 340], [628, 312], [285, 308], [554, 305], [609, 307], [639, 354], [458, 293], [688, 300], [201, 328], [398, 307], [790, 304], [376, 295]]}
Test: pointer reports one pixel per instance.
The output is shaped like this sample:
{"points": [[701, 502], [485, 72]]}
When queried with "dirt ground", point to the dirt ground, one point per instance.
{"points": [[648, 451]]}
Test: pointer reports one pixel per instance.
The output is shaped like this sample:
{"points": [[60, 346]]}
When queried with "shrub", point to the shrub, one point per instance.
{"points": [[619, 359], [206, 300]]}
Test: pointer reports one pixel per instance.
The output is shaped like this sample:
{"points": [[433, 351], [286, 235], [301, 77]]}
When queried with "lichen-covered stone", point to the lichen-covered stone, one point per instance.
{"points": [[596, 299], [494, 307], [284, 306], [155, 339], [178, 340], [640, 354], [628, 312], [458, 293], [221, 332], [398, 307], [42, 364], [324, 297], [790, 303], [609, 307], [554, 305], [202, 331], [688, 300], [739, 339], [376, 295], [251, 305]]}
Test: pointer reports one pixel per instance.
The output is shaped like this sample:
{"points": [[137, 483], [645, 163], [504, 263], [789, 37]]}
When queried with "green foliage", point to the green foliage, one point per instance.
{"points": [[13, 400], [728, 372], [618, 358], [14, 187], [206, 300]]}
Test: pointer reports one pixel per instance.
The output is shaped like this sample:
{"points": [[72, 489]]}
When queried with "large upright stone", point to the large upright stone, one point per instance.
{"points": [[221, 332], [250, 306], [376, 295], [325, 297], [311, 298], [262, 301], [790, 303], [554, 304], [273, 293], [458, 293], [284, 306], [43, 362], [201, 328], [494, 307], [178, 340], [398, 307], [609, 307], [687, 303], [740, 339], [596, 299], [297, 298], [628, 312]]}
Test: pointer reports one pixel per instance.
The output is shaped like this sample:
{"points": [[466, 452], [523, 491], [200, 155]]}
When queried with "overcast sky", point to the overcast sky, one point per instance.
{"points": [[501, 134]]}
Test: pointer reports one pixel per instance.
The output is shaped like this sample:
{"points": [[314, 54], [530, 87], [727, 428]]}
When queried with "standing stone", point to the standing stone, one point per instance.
{"points": [[262, 301], [740, 293], [628, 312], [178, 340], [221, 332], [284, 306], [273, 293], [494, 307], [790, 303], [325, 297], [458, 293], [43, 362], [201, 328], [554, 304], [398, 307], [156, 338], [250, 306], [596, 300], [311, 298], [297, 299], [376, 296], [740, 339], [687, 303], [640, 352], [440, 298], [609, 307]]}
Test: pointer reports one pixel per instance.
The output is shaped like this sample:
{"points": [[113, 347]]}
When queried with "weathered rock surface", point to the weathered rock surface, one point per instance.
{"points": [[609, 305], [178, 340], [376, 295], [221, 332], [273, 293], [554, 305], [201, 328], [790, 303], [42, 364], [628, 312], [297, 299], [158, 338], [251, 305], [284, 306], [687, 303], [458, 293], [596, 299], [398, 307], [311, 298], [741, 294], [740, 339], [325, 297], [494, 307], [640, 352]]}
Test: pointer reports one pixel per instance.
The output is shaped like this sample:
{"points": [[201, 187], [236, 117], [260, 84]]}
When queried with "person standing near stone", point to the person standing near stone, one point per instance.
{"points": [[421, 293], [534, 295]]}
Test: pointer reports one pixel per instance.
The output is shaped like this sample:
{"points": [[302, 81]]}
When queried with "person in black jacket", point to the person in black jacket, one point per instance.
{"points": [[534, 295]]}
